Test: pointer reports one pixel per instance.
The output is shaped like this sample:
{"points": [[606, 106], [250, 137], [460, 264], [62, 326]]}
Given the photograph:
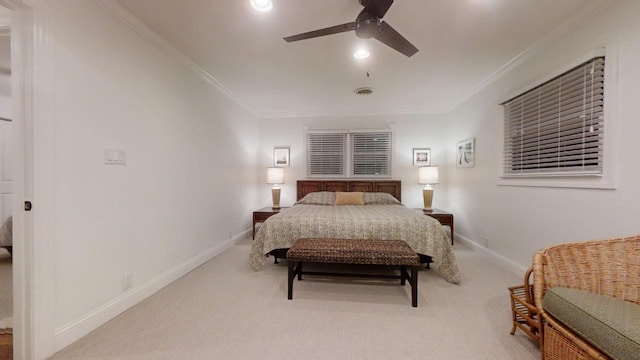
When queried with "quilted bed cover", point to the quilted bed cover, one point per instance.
{"points": [[6, 232], [424, 234]]}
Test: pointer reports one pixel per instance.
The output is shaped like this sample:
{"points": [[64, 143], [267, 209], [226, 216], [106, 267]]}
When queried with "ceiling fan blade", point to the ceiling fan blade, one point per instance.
{"points": [[322, 32], [389, 36], [378, 7]]}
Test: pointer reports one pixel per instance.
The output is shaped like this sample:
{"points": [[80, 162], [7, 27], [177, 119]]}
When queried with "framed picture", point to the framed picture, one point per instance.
{"points": [[281, 156], [465, 153], [421, 157]]}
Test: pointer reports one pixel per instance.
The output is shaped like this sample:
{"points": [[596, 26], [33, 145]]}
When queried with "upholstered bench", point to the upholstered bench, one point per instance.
{"points": [[395, 253]]}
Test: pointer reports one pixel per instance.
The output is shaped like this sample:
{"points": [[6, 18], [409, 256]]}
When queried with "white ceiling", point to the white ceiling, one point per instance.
{"points": [[462, 44]]}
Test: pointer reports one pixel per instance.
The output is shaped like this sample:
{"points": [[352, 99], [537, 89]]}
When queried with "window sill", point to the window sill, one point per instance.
{"points": [[592, 182]]}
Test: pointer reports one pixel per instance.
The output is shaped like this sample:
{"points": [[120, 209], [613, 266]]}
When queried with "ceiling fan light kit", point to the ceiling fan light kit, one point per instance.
{"points": [[368, 24], [361, 54], [262, 5]]}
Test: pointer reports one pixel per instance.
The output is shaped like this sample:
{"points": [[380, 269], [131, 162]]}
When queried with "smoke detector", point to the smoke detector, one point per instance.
{"points": [[363, 91]]}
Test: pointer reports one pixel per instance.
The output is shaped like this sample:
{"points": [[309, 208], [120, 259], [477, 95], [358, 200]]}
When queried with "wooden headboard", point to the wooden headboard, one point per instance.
{"points": [[393, 187]]}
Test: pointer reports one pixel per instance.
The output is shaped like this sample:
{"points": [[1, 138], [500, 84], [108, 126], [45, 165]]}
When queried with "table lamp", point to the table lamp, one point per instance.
{"points": [[275, 176], [427, 175]]}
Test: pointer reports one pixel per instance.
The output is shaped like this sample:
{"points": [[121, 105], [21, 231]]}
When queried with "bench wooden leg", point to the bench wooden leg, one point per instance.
{"points": [[414, 286], [403, 275], [290, 280]]}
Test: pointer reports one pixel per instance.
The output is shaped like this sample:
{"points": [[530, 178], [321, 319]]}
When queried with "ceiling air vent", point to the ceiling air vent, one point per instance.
{"points": [[363, 91]]}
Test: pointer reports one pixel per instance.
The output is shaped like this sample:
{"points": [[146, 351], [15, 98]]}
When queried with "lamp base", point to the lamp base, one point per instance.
{"points": [[427, 196], [275, 195]]}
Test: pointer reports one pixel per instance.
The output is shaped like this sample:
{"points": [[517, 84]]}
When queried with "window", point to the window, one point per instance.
{"points": [[326, 154], [557, 128], [349, 153]]}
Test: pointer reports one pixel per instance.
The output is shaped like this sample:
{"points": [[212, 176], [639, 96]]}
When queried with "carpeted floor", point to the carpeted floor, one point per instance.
{"points": [[225, 310]]}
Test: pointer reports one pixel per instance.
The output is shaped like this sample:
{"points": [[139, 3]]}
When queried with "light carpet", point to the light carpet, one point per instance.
{"points": [[6, 289], [225, 310]]}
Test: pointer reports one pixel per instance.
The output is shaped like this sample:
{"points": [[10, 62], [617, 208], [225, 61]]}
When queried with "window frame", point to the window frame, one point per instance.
{"points": [[348, 170], [607, 180]]}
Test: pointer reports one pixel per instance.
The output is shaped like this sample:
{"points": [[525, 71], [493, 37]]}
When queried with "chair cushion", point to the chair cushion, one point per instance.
{"points": [[607, 323]]}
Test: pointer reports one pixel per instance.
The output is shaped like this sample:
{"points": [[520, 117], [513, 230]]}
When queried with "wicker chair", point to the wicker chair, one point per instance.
{"points": [[606, 267]]}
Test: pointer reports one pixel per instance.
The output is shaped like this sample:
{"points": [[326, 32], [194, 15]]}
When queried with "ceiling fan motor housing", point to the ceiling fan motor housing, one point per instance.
{"points": [[367, 26]]}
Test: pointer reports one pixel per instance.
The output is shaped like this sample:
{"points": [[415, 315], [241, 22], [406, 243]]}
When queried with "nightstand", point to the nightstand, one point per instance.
{"points": [[262, 215], [445, 218]]}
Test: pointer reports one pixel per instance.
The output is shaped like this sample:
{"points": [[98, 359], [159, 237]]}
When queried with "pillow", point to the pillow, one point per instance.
{"points": [[349, 198], [380, 198], [318, 198]]}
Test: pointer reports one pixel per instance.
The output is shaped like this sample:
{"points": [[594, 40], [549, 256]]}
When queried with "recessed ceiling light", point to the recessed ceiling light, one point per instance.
{"points": [[363, 91], [361, 54], [262, 5]]}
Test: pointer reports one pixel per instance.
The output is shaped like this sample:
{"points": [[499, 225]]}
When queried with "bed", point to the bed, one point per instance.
{"points": [[6, 235], [381, 217]]}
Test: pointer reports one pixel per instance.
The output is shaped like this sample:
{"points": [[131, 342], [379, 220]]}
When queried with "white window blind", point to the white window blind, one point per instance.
{"points": [[349, 154], [371, 152], [326, 154], [557, 128]]}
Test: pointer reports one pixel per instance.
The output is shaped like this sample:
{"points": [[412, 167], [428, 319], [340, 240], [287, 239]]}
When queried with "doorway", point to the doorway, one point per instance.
{"points": [[6, 191]]}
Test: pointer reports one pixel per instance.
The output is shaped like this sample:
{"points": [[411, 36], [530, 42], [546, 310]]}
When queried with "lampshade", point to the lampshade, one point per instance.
{"points": [[275, 175], [428, 175]]}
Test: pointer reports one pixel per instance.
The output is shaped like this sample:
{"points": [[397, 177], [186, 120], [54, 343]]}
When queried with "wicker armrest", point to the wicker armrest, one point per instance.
{"points": [[539, 285]]}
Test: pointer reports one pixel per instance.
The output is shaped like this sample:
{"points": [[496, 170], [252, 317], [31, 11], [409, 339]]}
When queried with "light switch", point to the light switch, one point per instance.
{"points": [[115, 157]]}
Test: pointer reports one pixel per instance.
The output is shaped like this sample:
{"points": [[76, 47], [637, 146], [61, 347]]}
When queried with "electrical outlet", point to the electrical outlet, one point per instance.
{"points": [[127, 281]]}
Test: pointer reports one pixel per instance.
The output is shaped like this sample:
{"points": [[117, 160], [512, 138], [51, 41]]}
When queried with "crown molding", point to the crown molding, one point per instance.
{"points": [[552, 36], [354, 112], [127, 18], [13, 4], [114, 8]]}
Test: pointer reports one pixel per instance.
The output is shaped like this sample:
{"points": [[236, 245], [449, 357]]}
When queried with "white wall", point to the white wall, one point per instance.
{"points": [[188, 184], [410, 131], [516, 221]]}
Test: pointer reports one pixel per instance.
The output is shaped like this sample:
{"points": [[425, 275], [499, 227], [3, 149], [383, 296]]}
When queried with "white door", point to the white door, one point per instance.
{"points": [[6, 176], [6, 193]]}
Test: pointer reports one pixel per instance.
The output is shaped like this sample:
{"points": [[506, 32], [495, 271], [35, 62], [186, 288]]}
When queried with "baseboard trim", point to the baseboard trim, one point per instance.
{"points": [[496, 258], [67, 334]]}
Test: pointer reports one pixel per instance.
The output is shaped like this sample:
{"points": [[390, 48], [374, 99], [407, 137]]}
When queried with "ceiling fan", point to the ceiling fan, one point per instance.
{"points": [[368, 24]]}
